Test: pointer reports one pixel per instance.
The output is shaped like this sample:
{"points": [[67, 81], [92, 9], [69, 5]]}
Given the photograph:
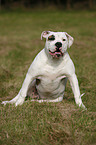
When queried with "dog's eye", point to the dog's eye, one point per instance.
{"points": [[64, 39], [52, 37]]}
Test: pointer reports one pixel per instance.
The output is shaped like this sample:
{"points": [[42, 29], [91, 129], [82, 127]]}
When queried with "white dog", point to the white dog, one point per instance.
{"points": [[48, 73]]}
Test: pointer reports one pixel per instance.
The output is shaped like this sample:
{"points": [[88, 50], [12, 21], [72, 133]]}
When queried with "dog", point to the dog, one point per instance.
{"points": [[48, 74]]}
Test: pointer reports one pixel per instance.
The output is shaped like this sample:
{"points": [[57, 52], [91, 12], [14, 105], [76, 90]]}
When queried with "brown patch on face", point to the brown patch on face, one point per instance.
{"points": [[52, 37]]}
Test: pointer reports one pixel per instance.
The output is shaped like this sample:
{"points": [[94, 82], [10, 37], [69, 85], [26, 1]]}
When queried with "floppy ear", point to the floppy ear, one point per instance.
{"points": [[70, 39], [45, 34]]}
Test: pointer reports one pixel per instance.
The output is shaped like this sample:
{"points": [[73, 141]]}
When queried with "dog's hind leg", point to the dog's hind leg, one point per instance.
{"points": [[59, 99], [32, 91]]}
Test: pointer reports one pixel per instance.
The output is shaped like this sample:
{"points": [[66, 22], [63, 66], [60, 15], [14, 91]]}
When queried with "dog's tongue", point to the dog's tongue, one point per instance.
{"points": [[57, 54]]}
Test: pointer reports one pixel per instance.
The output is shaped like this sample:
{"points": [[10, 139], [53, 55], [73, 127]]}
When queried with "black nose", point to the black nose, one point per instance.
{"points": [[58, 44]]}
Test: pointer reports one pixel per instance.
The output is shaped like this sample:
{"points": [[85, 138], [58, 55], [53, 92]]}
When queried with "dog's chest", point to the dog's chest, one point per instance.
{"points": [[50, 72], [50, 77], [51, 82]]}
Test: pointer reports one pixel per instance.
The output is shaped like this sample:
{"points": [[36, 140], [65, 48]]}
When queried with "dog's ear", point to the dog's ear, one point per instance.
{"points": [[70, 39], [45, 34]]}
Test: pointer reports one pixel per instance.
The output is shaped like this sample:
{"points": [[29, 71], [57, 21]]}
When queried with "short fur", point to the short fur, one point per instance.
{"points": [[49, 72]]}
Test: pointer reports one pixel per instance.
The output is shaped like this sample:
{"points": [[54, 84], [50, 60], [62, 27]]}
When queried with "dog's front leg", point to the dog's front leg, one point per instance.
{"points": [[75, 87], [19, 99], [23, 92]]}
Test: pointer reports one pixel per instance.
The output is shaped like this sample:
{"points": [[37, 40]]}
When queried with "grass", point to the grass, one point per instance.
{"points": [[47, 123]]}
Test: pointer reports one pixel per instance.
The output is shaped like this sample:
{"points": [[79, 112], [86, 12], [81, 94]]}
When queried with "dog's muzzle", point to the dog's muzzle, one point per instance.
{"points": [[58, 52]]}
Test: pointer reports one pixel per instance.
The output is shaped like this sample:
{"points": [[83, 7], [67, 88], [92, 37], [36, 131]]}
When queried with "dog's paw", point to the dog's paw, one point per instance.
{"points": [[5, 102], [20, 101], [80, 103], [82, 106]]}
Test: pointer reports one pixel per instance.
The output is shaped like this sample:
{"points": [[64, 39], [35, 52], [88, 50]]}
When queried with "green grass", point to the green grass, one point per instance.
{"points": [[47, 123]]}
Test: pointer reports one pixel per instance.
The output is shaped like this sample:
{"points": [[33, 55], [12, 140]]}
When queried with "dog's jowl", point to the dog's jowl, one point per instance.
{"points": [[47, 76]]}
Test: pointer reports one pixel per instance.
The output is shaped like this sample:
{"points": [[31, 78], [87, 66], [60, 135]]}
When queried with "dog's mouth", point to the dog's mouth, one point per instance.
{"points": [[57, 53]]}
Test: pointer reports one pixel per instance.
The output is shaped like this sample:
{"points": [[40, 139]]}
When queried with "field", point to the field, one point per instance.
{"points": [[47, 123]]}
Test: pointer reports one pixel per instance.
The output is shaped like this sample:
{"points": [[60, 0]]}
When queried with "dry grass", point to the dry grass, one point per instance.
{"points": [[47, 123]]}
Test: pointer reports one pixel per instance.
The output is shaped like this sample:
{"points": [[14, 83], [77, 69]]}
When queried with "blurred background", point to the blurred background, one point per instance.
{"points": [[21, 24], [63, 4]]}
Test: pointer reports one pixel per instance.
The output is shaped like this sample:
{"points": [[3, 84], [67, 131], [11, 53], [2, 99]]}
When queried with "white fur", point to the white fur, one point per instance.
{"points": [[52, 72]]}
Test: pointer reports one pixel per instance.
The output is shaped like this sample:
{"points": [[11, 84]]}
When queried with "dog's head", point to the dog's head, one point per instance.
{"points": [[57, 42]]}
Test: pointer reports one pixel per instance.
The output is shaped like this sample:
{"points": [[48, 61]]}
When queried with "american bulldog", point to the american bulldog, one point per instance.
{"points": [[46, 78]]}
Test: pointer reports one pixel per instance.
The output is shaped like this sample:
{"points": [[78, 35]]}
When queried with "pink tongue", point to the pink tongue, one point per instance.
{"points": [[57, 53]]}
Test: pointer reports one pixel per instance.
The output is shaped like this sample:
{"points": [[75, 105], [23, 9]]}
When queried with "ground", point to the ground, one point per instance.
{"points": [[47, 123]]}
